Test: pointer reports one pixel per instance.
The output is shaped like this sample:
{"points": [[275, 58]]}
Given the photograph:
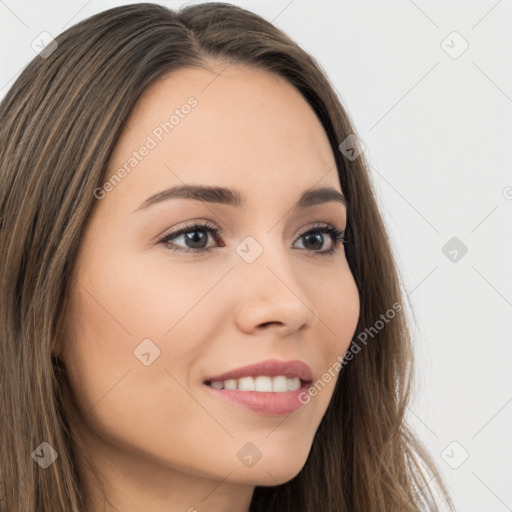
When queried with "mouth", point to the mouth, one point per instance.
{"points": [[270, 388], [259, 384]]}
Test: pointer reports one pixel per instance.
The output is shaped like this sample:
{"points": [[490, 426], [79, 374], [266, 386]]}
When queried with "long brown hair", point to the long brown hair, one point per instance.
{"points": [[59, 125]]}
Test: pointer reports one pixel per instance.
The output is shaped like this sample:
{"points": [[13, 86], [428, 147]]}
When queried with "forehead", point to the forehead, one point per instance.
{"points": [[247, 127]]}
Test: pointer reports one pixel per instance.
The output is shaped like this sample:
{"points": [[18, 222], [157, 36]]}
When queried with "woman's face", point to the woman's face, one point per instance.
{"points": [[149, 325]]}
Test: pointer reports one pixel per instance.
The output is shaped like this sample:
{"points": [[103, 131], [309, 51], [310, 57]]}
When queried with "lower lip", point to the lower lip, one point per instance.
{"points": [[264, 403]]}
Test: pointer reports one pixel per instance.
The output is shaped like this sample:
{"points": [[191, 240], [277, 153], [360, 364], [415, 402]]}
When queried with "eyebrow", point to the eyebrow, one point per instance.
{"points": [[231, 197]]}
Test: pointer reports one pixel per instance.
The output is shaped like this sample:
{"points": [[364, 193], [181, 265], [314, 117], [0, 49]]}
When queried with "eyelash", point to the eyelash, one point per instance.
{"points": [[336, 235]]}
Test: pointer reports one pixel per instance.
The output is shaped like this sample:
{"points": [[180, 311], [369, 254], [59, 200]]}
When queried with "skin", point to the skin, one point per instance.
{"points": [[158, 437]]}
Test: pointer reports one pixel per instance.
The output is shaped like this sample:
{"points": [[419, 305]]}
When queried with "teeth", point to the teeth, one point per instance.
{"points": [[280, 384], [246, 384], [230, 384], [293, 384], [262, 383]]}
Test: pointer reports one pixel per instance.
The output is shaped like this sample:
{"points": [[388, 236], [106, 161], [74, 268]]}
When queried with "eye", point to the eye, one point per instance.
{"points": [[195, 237], [315, 238]]}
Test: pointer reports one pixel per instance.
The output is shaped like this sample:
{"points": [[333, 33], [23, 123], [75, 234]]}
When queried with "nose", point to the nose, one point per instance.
{"points": [[270, 296]]}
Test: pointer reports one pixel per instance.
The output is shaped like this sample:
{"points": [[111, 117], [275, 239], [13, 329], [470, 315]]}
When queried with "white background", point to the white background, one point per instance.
{"points": [[437, 132]]}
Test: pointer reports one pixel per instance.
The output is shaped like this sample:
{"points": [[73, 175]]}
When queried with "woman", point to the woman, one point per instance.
{"points": [[200, 310]]}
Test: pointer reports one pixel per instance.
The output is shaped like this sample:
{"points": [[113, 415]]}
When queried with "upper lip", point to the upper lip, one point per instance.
{"points": [[271, 368]]}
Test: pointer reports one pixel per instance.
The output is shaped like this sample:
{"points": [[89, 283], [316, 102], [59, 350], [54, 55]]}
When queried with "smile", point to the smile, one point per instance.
{"points": [[269, 388]]}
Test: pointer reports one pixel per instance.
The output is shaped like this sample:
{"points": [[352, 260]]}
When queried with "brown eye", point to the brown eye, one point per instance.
{"points": [[314, 239], [195, 238]]}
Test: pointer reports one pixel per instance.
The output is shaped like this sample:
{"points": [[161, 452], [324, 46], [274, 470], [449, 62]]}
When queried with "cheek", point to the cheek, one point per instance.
{"points": [[347, 309], [135, 297], [126, 326], [123, 400], [337, 307], [157, 296], [137, 325]]}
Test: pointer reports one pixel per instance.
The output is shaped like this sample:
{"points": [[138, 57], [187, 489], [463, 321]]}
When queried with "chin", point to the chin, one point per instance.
{"points": [[279, 469], [270, 477]]}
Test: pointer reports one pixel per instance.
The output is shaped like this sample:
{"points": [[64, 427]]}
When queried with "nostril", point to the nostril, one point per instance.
{"points": [[264, 324]]}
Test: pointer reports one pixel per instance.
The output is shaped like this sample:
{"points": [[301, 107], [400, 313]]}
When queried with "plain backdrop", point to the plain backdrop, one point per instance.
{"points": [[428, 86]]}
